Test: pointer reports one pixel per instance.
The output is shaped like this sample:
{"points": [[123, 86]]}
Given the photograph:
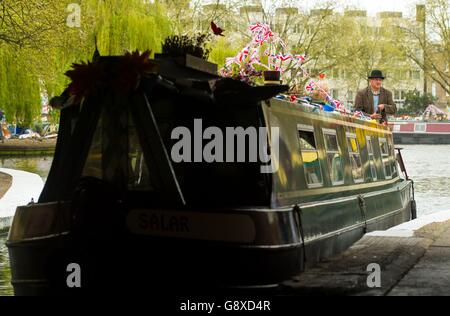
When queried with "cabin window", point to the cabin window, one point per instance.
{"points": [[385, 156], [93, 166], [334, 157], [138, 173], [373, 169], [135, 169], [355, 158], [420, 128], [310, 156]]}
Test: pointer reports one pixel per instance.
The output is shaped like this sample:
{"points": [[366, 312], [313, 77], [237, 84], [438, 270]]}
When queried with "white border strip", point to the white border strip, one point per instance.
{"points": [[25, 186], [407, 229]]}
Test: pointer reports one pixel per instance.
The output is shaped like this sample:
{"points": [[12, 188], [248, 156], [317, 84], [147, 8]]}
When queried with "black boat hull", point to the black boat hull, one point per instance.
{"points": [[39, 265]]}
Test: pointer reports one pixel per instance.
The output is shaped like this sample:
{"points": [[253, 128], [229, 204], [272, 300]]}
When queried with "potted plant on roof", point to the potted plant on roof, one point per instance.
{"points": [[244, 66], [264, 57], [190, 51], [273, 74]]}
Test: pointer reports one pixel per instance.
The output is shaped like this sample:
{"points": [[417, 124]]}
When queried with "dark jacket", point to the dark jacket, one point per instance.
{"points": [[364, 101]]}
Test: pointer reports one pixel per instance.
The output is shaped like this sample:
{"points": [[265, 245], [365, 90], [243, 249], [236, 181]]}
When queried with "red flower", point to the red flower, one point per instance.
{"points": [[131, 68], [125, 75], [86, 79]]}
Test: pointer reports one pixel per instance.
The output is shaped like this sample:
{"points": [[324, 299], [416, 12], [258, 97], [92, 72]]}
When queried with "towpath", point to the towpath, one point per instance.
{"points": [[414, 259]]}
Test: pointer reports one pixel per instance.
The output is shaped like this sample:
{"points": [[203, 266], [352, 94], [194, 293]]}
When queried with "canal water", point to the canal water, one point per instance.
{"points": [[37, 165], [428, 165]]}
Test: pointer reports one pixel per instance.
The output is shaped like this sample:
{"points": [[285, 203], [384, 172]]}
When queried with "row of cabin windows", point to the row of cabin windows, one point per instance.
{"points": [[334, 158]]}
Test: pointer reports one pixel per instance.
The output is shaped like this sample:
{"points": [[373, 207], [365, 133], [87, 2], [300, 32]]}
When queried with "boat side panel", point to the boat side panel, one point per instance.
{"points": [[289, 182], [329, 210]]}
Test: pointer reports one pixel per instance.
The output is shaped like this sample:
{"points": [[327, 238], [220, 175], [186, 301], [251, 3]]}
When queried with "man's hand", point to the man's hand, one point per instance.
{"points": [[375, 116], [381, 107]]}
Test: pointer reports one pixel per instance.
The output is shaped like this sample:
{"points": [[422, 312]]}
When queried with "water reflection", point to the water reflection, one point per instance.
{"points": [[5, 272], [39, 165]]}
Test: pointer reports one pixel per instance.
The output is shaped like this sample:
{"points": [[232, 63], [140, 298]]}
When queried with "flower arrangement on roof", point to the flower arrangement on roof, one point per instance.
{"points": [[265, 52]]}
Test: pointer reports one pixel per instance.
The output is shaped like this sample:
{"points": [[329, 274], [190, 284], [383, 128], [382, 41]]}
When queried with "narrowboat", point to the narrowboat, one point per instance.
{"points": [[421, 132], [130, 216]]}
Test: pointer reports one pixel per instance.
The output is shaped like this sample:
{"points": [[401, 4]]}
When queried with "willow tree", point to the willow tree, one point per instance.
{"points": [[27, 29], [25, 25], [20, 95], [27, 22], [37, 46], [125, 25], [116, 26], [221, 49]]}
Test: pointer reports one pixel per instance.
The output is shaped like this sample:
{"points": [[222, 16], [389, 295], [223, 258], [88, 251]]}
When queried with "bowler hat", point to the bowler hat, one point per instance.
{"points": [[375, 74]]}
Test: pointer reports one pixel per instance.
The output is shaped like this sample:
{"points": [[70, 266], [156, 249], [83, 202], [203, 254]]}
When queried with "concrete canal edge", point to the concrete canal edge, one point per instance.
{"points": [[412, 258], [25, 187], [27, 147]]}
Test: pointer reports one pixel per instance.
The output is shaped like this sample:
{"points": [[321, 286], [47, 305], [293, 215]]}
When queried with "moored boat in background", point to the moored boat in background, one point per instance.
{"points": [[421, 132]]}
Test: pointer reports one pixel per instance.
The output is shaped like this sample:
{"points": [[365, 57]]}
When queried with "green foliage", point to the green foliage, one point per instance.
{"points": [[221, 50], [33, 64], [127, 25], [19, 89], [416, 103], [53, 116]]}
